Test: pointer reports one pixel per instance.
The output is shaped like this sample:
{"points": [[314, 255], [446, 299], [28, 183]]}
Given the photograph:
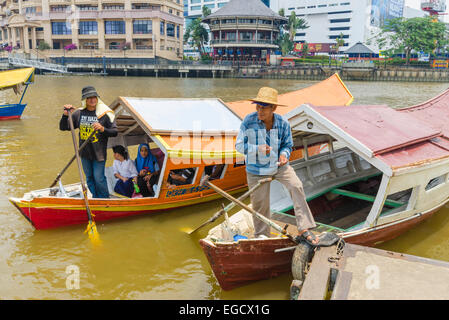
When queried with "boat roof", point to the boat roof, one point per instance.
{"points": [[331, 91], [387, 138], [11, 78], [203, 128], [435, 112], [182, 116]]}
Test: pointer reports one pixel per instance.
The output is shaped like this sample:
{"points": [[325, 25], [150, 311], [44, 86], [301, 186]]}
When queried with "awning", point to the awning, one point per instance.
{"points": [[11, 78], [329, 92]]}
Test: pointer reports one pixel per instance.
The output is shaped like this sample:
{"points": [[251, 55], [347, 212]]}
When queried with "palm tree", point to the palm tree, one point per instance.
{"points": [[295, 23]]}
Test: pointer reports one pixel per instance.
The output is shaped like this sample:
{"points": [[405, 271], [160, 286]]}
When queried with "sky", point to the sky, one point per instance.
{"points": [[416, 4]]}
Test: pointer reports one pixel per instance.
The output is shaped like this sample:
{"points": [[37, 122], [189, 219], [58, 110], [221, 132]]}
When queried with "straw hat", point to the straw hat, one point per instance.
{"points": [[268, 95]]}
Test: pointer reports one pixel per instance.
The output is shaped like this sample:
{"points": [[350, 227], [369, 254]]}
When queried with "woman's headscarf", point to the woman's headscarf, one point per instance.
{"points": [[147, 163]]}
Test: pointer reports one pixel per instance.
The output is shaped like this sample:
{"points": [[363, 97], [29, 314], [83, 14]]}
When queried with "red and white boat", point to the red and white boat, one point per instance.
{"points": [[384, 171]]}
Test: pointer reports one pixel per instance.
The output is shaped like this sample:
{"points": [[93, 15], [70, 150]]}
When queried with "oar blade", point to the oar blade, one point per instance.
{"points": [[93, 234]]}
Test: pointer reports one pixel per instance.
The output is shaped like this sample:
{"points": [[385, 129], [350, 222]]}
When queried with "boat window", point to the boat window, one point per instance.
{"points": [[215, 172], [436, 181], [180, 177]]}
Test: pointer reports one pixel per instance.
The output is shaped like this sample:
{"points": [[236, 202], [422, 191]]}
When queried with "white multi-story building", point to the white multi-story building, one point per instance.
{"points": [[355, 20]]}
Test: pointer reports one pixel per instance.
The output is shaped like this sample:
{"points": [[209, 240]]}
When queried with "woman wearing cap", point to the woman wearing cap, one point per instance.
{"points": [[265, 138], [93, 115]]}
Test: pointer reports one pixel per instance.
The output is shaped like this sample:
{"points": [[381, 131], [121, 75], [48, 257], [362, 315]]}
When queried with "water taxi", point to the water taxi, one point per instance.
{"points": [[383, 172], [194, 134], [16, 80]]}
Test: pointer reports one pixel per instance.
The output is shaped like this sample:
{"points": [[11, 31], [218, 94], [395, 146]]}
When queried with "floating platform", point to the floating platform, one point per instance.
{"points": [[354, 272]]}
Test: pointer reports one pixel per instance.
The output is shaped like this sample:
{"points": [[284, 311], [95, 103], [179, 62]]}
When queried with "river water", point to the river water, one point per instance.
{"points": [[147, 257]]}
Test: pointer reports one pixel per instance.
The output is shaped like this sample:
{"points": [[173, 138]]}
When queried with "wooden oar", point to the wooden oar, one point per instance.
{"points": [[91, 228], [232, 204], [73, 158], [249, 209]]}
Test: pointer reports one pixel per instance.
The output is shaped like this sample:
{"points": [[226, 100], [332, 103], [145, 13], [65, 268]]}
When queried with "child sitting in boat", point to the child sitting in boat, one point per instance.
{"points": [[124, 170], [147, 169]]}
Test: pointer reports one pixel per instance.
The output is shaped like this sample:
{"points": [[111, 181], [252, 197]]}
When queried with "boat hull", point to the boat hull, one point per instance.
{"points": [[11, 111], [49, 213], [239, 263]]}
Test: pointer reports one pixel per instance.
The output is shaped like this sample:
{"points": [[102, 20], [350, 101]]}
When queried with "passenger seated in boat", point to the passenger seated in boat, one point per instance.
{"points": [[214, 171], [148, 170], [180, 177], [124, 170]]}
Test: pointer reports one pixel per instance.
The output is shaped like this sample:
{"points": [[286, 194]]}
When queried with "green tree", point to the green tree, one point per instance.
{"points": [[287, 31], [295, 23], [304, 50], [43, 46], [340, 42], [419, 34], [196, 33]]}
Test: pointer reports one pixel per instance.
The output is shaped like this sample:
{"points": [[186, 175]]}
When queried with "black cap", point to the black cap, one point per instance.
{"points": [[88, 92]]}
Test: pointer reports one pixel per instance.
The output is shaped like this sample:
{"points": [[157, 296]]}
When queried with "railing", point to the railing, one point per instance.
{"points": [[37, 64], [260, 41]]}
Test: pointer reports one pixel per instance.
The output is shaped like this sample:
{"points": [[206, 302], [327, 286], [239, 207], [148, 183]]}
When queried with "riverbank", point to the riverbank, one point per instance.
{"points": [[195, 69]]}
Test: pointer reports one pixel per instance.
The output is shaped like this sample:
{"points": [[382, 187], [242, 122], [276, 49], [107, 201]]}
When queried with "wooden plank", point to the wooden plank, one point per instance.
{"points": [[366, 197], [317, 280]]}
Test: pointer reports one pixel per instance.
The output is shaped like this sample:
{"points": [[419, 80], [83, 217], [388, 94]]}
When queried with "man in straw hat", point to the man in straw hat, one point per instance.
{"points": [[265, 138], [93, 115]]}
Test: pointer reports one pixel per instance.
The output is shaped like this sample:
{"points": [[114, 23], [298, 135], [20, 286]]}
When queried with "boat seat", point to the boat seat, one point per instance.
{"points": [[111, 180]]}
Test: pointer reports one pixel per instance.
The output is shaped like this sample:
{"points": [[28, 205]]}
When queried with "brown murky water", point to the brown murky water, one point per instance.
{"points": [[146, 257]]}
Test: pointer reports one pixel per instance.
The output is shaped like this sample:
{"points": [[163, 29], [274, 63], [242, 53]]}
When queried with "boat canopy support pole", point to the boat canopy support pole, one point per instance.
{"points": [[24, 91], [376, 209]]}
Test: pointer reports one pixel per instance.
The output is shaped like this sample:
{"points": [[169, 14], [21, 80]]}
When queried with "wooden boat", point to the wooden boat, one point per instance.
{"points": [[384, 171], [15, 79], [182, 133]]}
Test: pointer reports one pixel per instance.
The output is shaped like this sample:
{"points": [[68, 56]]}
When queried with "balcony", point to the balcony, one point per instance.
{"points": [[241, 42]]}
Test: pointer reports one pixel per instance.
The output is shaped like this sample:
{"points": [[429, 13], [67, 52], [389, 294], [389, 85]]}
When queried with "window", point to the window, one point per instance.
{"points": [[210, 6], [322, 5], [30, 10], [340, 20], [195, 8], [88, 27], [170, 29], [195, 1], [339, 28], [142, 26], [58, 8], [228, 21], [114, 46], [214, 172], [162, 31], [246, 36], [436, 182], [90, 45], [311, 7], [60, 28], [263, 21], [301, 34], [114, 27], [220, 5], [87, 8], [340, 12], [113, 7], [177, 32], [141, 6], [247, 21], [345, 3], [181, 177], [345, 36]]}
